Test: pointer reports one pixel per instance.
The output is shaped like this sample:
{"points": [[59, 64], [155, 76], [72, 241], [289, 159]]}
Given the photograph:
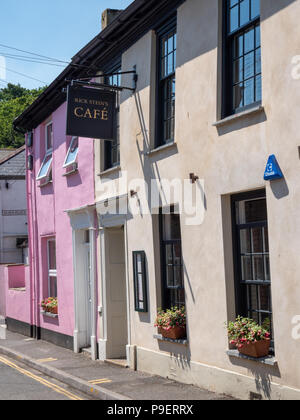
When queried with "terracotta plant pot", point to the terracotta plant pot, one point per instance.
{"points": [[257, 350], [175, 333]]}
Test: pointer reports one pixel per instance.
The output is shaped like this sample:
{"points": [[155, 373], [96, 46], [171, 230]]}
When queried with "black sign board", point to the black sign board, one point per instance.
{"points": [[91, 113]]}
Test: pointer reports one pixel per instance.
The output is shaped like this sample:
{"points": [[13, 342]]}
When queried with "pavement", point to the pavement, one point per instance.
{"points": [[98, 380]]}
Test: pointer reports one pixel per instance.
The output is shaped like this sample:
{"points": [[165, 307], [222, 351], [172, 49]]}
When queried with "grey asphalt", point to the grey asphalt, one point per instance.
{"points": [[15, 385], [78, 370]]}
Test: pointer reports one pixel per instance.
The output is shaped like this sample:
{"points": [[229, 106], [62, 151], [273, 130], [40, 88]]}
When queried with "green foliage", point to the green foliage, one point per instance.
{"points": [[245, 331], [174, 317], [14, 99]]}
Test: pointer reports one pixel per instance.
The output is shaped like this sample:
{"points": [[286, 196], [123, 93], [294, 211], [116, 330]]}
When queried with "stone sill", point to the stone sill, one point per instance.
{"points": [[161, 149], [269, 360], [110, 171], [17, 289], [49, 314], [159, 337], [74, 171], [235, 117], [45, 184]]}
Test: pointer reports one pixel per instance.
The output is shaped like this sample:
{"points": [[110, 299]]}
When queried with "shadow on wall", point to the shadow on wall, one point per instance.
{"points": [[263, 375], [280, 188], [241, 123]]}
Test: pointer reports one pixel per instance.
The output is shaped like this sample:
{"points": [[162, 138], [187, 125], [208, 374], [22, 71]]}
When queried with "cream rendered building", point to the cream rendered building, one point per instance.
{"points": [[246, 258]]}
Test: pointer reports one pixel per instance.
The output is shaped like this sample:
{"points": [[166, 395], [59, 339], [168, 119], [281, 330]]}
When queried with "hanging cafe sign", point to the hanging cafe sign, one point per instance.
{"points": [[92, 107], [91, 113]]}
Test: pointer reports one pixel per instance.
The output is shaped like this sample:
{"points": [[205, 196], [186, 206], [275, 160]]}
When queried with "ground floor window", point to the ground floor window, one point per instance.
{"points": [[52, 273], [252, 261], [172, 266]]}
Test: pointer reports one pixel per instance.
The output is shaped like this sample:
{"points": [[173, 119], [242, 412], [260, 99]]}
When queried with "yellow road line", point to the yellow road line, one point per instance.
{"points": [[42, 381], [50, 359], [100, 381]]}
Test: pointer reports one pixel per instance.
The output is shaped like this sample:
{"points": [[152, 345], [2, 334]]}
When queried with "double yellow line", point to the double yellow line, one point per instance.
{"points": [[42, 381]]}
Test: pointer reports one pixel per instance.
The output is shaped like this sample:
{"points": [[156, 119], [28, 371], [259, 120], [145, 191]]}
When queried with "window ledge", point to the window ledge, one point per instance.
{"points": [[235, 117], [74, 171], [110, 171], [161, 148], [269, 360], [44, 184], [159, 337], [49, 314], [18, 289]]}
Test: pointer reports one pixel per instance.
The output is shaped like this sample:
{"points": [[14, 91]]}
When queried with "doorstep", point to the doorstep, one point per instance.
{"points": [[118, 362]]}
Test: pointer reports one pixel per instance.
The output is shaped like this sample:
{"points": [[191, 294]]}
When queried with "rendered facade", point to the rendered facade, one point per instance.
{"points": [[178, 201]]}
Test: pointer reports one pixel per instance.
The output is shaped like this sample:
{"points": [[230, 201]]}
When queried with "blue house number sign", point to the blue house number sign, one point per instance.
{"points": [[273, 170]]}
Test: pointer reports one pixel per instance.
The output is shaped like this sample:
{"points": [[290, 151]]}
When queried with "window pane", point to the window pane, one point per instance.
{"points": [[257, 36], [249, 40], [170, 277], [234, 18], [251, 211], [72, 153], [258, 88], [238, 71], [264, 298], [53, 287], [245, 241], [49, 137], [238, 49], [249, 92], [249, 66], [44, 171], [252, 297], [255, 8], [52, 255], [238, 95], [178, 276], [258, 61], [244, 12], [246, 268], [257, 240], [169, 254], [171, 224], [258, 268]]}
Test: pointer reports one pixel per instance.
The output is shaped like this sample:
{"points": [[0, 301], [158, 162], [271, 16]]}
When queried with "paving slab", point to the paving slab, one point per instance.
{"points": [[102, 380]]}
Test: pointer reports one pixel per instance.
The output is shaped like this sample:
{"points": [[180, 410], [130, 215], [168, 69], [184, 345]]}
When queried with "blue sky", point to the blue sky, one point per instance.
{"points": [[54, 28]]}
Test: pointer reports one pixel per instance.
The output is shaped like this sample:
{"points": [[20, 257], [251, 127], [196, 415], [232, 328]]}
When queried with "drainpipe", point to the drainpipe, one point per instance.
{"points": [[128, 347], [93, 274]]}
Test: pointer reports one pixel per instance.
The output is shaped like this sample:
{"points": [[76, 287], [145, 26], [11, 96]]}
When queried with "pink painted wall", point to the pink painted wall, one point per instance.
{"points": [[16, 276], [47, 218], [2, 290], [17, 301]]}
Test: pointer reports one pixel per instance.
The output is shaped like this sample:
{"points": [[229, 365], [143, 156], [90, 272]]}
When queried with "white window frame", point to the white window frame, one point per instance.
{"points": [[47, 154], [68, 164], [48, 151], [51, 273]]}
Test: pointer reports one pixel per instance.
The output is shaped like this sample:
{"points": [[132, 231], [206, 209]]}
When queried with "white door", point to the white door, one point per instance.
{"points": [[117, 335], [88, 305]]}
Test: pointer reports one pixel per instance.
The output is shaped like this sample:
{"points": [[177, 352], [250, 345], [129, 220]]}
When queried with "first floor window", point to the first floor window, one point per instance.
{"points": [[72, 153], [172, 265], [243, 76], [52, 273], [112, 148], [253, 279], [45, 170], [167, 47]]}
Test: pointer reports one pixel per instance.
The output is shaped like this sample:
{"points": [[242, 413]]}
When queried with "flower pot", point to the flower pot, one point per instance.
{"points": [[257, 350], [175, 333]]}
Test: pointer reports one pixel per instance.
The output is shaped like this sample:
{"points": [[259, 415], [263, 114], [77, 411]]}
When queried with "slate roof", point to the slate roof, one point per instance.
{"points": [[13, 163]]}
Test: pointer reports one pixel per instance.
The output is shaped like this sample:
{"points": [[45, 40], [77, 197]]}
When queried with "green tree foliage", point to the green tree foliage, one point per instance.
{"points": [[14, 99]]}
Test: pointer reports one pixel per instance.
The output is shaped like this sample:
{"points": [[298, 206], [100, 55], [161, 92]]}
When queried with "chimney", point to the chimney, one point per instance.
{"points": [[108, 16]]}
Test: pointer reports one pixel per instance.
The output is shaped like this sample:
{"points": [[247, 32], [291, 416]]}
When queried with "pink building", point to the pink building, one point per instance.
{"points": [[60, 178]]}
